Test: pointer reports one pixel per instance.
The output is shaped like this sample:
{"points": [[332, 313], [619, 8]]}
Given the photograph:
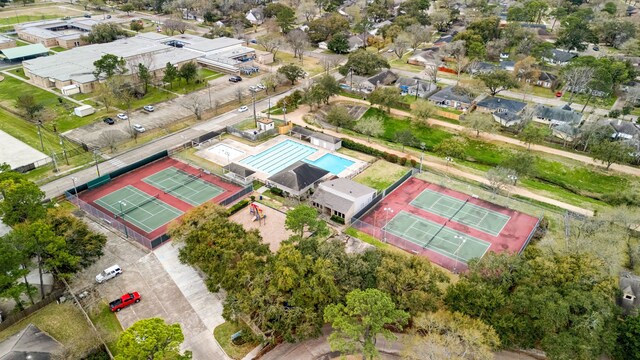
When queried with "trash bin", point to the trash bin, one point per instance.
{"points": [[260, 197]]}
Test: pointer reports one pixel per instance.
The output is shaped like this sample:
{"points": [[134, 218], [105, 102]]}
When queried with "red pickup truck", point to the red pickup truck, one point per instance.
{"points": [[124, 301]]}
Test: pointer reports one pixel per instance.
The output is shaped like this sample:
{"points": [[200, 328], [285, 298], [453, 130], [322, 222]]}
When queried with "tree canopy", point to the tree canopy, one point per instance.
{"points": [[363, 62], [151, 339]]}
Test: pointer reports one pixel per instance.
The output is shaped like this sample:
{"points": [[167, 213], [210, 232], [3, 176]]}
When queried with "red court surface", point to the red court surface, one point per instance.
{"points": [[513, 237], [134, 178]]}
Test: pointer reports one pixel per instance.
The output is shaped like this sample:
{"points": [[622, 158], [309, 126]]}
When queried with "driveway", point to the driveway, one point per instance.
{"points": [[169, 290]]}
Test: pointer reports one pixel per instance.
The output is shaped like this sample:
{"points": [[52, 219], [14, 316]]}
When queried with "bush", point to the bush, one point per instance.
{"points": [[403, 161], [614, 113], [292, 101], [392, 158], [352, 145], [414, 163], [277, 191], [337, 219], [238, 206]]}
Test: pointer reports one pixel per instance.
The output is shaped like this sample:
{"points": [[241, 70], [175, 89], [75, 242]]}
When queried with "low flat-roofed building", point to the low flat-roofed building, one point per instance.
{"points": [[6, 42], [342, 197], [64, 33], [21, 53]]}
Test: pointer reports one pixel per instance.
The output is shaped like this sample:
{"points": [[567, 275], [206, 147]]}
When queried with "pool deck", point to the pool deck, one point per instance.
{"points": [[249, 151]]}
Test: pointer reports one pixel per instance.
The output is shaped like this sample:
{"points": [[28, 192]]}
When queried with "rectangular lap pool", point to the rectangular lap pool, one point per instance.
{"points": [[278, 157], [332, 163]]}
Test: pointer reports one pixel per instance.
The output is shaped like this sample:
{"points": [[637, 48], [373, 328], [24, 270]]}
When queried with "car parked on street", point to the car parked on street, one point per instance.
{"points": [[122, 116], [139, 128], [148, 108], [558, 94], [108, 273], [243, 108], [254, 88], [109, 120], [261, 86], [235, 79], [124, 301]]}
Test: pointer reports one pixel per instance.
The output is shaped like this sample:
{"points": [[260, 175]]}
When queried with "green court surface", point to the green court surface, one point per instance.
{"points": [[462, 212], [428, 234], [186, 187], [138, 208]]}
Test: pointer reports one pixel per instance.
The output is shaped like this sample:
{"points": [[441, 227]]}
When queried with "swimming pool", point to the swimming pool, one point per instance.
{"points": [[278, 157], [332, 163]]}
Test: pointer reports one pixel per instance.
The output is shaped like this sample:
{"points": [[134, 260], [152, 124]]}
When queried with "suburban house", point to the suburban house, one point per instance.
{"points": [[355, 42], [556, 115], [424, 58], [443, 40], [255, 16], [480, 67], [298, 180], [30, 343], [368, 84], [559, 57], [316, 138], [505, 111], [566, 132], [625, 130], [75, 67], [50, 33], [453, 97], [547, 80], [409, 86], [629, 301], [342, 197], [507, 65]]}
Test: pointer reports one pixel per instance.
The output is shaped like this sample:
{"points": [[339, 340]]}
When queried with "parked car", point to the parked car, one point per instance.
{"points": [[122, 116], [595, 48], [124, 301], [253, 41], [148, 108], [139, 128], [243, 108], [558, 93], [235, 79], [109, 120], [108, 273], [87, 15], [254, 88], [261, 86]]}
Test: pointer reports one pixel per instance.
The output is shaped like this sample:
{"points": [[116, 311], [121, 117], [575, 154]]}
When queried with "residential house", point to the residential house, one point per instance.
{"points": [[30, 343], [342, 197], [480, 67], [377, 26], [556, 115], [507, 65], [424, 58], [624, 130], [255, 16], [409, 86], [566, 132], [355, 43], [505, 111], [443, 40], [547, 80], [559, 57], [504, 56], [368, 84], [453, 97], [629, 300], [507, 118], [298, 180]]}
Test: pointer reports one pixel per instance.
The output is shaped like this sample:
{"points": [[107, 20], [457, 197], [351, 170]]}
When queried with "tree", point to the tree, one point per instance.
{"points": [[304, 218], [370, 126], [170, 74], [271, 43], [127, 8], [298, 40], [339, 44], [450, 335], [610, 152], [400, 44], [440, 19], [109, 65], [452, 147], [479, 122], [615, 32], [151, 339], [575, 33], [339, 117], [422, 111], [500, 178], [533, 134], [195, 104], [136, 25], [526, 70], [405, 137], [272, 81], [385, 97], [11, 270], [285, 16], [188, 71], [172, 25], [292, 72], [104, 33], [522, 162], [322, 89], [577, 78], [357, 323], [145, 76], [418, 35], [457, 50], [22, 201], [628, 337], [363, 62], [30, 106], [498, 80], [325, 27]]}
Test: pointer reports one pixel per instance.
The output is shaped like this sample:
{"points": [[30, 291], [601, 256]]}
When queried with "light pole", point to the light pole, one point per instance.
{"points": [[455, 253], [124, 223], [75, 189], [253, 97], [39, 124], [209, 88], [64, 150], [387, 210], [95, 158], [422, 146]]}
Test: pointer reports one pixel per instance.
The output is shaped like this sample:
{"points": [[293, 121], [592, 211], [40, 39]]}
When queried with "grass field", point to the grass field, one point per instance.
{"points": [[153, 96], [65, 323], [380, 175], [58, 49], [223, 333], [107, 324], [8, 18]]}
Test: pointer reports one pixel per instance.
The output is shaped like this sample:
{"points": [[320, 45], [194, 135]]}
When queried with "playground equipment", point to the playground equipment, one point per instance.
{"points": [[257, 213]]}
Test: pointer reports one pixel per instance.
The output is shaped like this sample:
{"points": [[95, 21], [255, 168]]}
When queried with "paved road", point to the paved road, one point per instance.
{"points": [[59, 186]]}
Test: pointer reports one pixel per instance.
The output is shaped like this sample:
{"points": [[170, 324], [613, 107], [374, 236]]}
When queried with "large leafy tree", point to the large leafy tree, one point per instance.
{"points": [[23, 200], [363, 62], [171, 73], [385, 97], [144, 75], [628, 338], [188, 71], [339, 117], [323, 28], [11, 270], [109, 65], [151, 339], [611, 152], [357, 323], [339, 43], [479, 122], [303, 218], [576, 32], [104, 33], [497, 81], [370, 126], [30, 106], [562, 303], [292, 72]]}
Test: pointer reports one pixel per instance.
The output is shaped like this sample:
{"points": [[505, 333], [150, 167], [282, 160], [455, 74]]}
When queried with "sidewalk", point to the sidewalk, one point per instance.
{"points": [[296, 118]]}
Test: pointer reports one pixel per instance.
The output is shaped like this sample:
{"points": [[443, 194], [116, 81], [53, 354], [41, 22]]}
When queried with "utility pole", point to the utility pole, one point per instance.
{"points": [[55, 164], [253, 97], [417, 86], [95, 158], [40, 134], [209, 88], [64, 150], [124, 223]]}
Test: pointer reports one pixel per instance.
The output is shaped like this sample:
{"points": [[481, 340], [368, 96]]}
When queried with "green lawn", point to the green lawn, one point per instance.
{"points": [[25, 18], [604, 103], [28, 133], [153, 96], [181, 87], [58, 49], [107, 324], [223, 333], [11, 89], [65, 323], [21, 43], [402, 63], [380, 175], [19, 72], [209, 74]]}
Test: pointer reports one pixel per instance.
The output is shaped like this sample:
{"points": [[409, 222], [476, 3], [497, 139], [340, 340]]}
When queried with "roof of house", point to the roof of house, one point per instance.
{"points": [[348, 187], [624, 127], [445, 39], [427, 55], [318, 135], [481, 66], [451, 93], [561, 55], [567, 129], [631, 284], [507, 116], [495, 103], [507, 64], [410, 83], [298, 176], [30, 343], [546, 76], [558, 113], [355, 41], [239, 170], [22, 52], [385, 77]]}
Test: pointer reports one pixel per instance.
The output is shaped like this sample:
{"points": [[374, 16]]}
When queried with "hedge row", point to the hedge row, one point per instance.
{"points": [[392, 158], [238, 206], [337, 219]]}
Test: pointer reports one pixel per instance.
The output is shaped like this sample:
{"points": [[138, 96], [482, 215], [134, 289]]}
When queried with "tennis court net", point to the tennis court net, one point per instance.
{"points": [[143, 203], [190, 178]]}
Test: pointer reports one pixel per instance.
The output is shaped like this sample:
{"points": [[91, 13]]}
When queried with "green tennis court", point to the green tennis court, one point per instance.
{"points": [[461, 211], [186, 187], [436, 237], [139, 208]]}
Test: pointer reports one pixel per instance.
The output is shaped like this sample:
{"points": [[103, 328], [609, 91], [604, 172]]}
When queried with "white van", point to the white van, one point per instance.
{"points": [[108, 273]]}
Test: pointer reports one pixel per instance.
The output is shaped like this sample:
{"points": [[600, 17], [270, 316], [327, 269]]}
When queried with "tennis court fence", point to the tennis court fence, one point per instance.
{"points": [[107, 219], [238, 195]]}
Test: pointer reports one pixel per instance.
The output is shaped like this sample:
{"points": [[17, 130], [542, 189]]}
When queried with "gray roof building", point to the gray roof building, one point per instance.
{"points": [[481, 67], [30, 343], [306, 133], [298, 177], [451, 93], [557, 115], [630, 286], [560, 56], [342, 197], [492, 103]]}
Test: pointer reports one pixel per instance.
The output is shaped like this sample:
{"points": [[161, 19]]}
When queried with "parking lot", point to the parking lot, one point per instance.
{"points": [[168, 289]]}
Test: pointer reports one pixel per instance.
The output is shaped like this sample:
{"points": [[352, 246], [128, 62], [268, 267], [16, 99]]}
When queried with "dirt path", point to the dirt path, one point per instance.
{"points": [[296, 118], [505, 139]]}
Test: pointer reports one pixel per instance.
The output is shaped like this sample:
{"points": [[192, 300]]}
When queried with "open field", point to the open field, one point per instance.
{"points": [[16, 15], [380, 175]]}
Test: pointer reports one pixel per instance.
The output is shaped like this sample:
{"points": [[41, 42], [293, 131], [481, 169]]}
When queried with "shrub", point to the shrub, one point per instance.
{"points": [[403, 161], [277, 191], [292, 101], [392, 158], [352, 145], [337, 219], [414, 163], [238, 206], [614, 113]]}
